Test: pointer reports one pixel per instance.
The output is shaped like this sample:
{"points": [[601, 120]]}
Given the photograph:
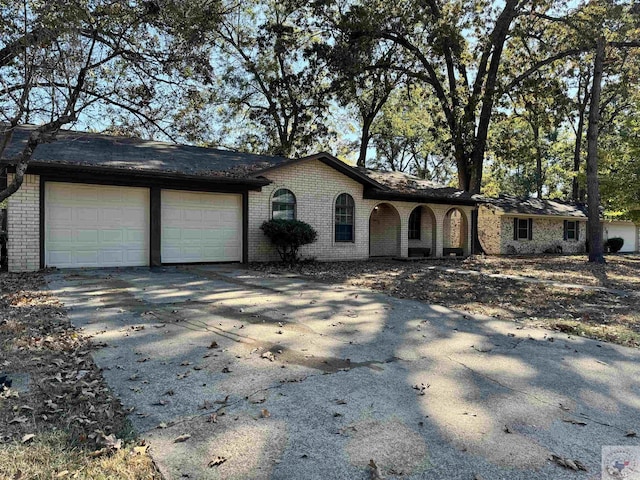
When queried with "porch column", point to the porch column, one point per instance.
{"points": [[468, 244], [404, 232], [439, 211]]}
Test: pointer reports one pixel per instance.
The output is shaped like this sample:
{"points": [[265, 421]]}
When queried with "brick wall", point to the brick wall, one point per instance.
{"points": [[490, 231], [547, 233], [23, 226], [316, 187]]}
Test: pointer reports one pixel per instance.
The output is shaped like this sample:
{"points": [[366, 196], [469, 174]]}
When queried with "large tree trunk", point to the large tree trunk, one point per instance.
{"points": [[596, 250], [364, 142], [536, 139], [577, 151]]}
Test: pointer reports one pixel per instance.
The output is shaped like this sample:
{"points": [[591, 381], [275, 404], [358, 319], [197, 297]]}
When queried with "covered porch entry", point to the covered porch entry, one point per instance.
{"points": [[384, 231]]}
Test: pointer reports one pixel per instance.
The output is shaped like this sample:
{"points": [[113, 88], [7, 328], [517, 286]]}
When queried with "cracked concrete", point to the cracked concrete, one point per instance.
{"points": [[287, 378]]}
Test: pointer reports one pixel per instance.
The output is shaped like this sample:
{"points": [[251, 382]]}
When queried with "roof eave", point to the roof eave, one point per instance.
{"points": [[46, 168], [411, 197]]}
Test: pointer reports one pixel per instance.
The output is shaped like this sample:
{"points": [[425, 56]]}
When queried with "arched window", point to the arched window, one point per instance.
{"points": [[283, 205], [344, 218], [414, 223]]}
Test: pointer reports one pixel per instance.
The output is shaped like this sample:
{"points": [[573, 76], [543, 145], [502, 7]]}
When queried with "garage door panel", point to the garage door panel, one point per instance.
{"points": [[194, 216], [86, 215], [87, 258], [96, 225], [57, 257], [197, 226], [87, 236], [138, 236], [57, 235], [111, 236], [113, 257]]}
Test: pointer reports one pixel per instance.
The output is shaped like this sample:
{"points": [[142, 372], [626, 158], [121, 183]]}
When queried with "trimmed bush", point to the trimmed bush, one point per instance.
{"points": [[614, 244], [288, 236]]}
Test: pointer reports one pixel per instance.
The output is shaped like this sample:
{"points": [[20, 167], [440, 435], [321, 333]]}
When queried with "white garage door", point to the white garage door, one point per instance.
{"points": [[625, 231], [201, 227], [95, 225]]}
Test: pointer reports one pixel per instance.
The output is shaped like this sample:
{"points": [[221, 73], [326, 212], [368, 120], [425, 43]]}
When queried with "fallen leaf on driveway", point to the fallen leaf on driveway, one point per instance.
{"points": [[214, 344], [28, 437], [631, 433], [182, 438], [376, 474], [226, 370], [216, 461], [568, 463], [162, 425], [269, 356], [265, 413]]}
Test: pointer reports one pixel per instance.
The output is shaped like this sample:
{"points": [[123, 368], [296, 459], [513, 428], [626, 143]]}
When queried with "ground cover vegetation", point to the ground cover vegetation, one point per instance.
{"points": [[58, 417]]}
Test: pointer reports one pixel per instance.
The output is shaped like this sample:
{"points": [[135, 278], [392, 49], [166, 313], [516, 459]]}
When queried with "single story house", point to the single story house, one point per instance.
{"points": [[512, 226], [93, 200]]}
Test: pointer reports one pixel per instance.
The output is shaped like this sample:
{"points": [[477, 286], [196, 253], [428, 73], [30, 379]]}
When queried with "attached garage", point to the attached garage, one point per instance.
{"points": [[624, 230], [201, 227], [95, 225]]}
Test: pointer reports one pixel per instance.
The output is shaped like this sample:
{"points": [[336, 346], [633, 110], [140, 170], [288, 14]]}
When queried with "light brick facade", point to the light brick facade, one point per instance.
{"points": [[23, 226], [316, 187], [496, 234]]}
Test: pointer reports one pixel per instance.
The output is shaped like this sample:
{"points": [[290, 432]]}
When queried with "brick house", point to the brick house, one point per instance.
{"points": [[91, 200], [508, 226]]}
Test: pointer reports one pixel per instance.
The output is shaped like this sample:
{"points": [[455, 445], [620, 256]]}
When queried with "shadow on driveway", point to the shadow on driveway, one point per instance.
{"points": [[278, 377]]}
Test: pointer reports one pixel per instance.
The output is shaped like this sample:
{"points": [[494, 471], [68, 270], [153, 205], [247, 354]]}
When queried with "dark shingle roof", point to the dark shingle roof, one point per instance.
{"points": [[122, 153], [410, 186], [534, 206]]}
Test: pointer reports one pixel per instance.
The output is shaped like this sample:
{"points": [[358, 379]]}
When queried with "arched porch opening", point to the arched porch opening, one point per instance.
{"points": [[422, 232], [384, 231], [456, 233]]}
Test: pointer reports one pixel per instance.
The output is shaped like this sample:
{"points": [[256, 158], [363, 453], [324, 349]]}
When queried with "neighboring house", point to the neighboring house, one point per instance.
{"points": [[91, 200], [626, 230], [509, 226]]}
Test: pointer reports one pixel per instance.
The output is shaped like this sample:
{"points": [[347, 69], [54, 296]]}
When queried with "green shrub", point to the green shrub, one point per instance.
{"points": [[288, 236], [614, 244]]}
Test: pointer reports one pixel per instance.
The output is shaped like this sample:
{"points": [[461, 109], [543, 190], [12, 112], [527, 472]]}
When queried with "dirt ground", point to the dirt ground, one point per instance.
{"points": [[599, 315], [58, 415]]}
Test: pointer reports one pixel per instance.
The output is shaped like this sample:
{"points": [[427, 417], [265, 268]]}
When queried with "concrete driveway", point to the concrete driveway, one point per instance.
{"points": [[280, 377]]}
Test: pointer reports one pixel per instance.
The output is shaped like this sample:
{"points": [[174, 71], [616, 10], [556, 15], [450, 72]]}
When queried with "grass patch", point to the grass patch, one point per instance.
{"points": [[77, 429], [53, 455]]}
